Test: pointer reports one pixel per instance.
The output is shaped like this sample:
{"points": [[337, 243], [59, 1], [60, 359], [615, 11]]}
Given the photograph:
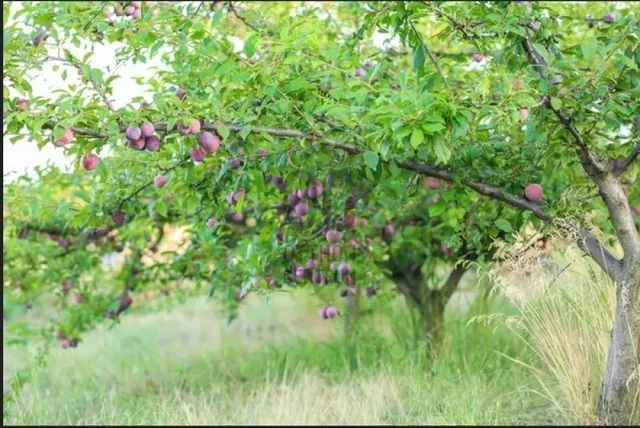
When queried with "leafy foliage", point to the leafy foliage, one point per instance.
{"points": [[309, 99]]}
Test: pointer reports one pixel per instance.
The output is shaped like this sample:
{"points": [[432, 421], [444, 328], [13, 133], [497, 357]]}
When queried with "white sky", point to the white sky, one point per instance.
{"points": [[24, 156]]}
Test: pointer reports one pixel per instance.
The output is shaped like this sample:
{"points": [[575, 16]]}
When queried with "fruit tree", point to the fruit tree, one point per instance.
{"points": [[313, 155]]}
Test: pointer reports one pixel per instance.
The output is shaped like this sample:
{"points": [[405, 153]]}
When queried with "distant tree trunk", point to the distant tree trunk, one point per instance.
{"points": [[353, 309], [432, 313], [430, 303]]}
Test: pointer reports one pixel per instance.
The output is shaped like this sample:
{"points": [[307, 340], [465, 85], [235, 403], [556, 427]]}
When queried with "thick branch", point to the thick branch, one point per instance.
{"points": [[453, 280], [590, 245], [535, 59], [609, 188], [483, 189], [66, 232], [591, 165]]}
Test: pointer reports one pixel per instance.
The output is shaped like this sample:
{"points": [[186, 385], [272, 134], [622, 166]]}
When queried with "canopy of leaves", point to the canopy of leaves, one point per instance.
{"points": [[312, 100]]}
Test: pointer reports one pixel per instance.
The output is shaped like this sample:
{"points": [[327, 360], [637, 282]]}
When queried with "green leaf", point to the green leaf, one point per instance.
{"points": [[542, 51], [626, 60], [6, 36], [556, 103], [432, 128], [589, 48], [58, 133], [418, 57], [250, 47], [298, 83], [417, 137], [246, 130], [371, 159], [223, 131], [159, 101], [437, 208], [217, 17], [441, 150], [192, 203], [161, 208], [504, 225]]}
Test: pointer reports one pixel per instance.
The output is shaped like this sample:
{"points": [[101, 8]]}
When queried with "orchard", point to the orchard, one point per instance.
{"points": [[311, 157]]}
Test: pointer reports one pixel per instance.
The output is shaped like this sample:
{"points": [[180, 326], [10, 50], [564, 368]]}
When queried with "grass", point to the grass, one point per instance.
{"points": [[280, 364]]}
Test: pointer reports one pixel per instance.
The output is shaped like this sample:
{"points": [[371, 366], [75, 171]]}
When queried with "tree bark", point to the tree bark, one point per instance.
{"points": [[430, 303], [619, 400], [619, 395], [353, 309], [432, 313]]}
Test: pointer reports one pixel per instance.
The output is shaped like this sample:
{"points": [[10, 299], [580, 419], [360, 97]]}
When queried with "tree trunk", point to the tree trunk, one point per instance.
{"points": [[430, 303], [432, 312], [353, 309], [619, 400]]}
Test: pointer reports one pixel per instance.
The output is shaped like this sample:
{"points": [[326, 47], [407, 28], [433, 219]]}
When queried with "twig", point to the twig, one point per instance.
{"points": [[79, 68], [241, 18], [433, 60], [628, 161]]}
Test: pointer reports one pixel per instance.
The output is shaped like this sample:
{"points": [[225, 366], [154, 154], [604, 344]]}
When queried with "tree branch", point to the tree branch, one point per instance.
{"points": [[453, 280], [483, 189], [590, 245], [592, 165], [144, 186], [241, 18], [433, 60], [79, 68], [625, 164], [609, 188]]}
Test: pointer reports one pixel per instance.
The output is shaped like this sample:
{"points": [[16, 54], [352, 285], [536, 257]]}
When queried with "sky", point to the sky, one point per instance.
{"points": [[24, 156]]}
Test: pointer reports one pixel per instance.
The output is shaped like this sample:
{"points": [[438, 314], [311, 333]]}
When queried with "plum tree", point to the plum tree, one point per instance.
{"points": [[340, 145]]}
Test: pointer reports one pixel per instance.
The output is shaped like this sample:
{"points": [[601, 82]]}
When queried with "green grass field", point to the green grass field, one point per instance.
{"points": [[278, 363]]}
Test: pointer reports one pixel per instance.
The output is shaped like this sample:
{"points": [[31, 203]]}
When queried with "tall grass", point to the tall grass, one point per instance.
{"points": [[189, 367], [280, 364], [565, 319]]}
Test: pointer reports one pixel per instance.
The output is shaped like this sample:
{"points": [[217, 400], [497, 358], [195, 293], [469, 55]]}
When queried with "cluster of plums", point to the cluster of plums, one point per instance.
{"points": [[142, 137], [133, 9], [65, 342], [294, 205]]}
